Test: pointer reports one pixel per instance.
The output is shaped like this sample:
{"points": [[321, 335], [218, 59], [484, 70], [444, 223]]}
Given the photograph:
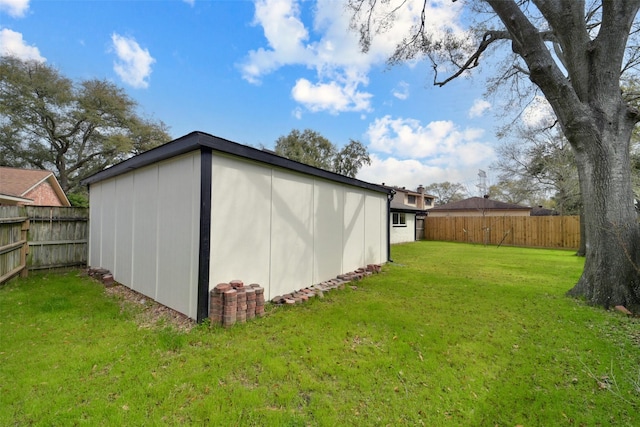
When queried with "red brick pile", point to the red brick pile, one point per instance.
{"points": [[102, 275], [231, 303], [318, 290]]}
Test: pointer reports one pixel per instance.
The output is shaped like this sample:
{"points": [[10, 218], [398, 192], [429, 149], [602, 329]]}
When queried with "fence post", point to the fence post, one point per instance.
{"points": [[25, 248]]}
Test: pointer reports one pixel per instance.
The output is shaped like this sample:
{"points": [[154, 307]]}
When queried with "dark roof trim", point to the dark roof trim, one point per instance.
{"points": [[196, 140], [409, 210]]}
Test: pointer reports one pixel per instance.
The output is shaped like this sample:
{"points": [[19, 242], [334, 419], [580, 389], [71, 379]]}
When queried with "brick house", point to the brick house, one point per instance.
{"points": [[30, 187]]}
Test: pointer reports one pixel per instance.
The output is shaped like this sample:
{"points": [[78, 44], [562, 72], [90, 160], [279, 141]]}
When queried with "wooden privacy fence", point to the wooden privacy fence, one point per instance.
{"points": [[532, 231], [37, 237]]}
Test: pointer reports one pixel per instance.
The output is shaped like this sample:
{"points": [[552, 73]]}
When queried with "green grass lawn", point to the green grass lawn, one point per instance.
{"points": [[448, 335]]}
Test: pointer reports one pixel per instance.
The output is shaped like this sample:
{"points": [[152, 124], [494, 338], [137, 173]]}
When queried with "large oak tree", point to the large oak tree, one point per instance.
{"points": [[48, 121], [313, 149], [576, 54]]}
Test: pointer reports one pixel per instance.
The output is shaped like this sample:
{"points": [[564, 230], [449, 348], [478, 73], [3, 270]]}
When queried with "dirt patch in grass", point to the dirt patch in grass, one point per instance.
{"points": [[149, 313]]}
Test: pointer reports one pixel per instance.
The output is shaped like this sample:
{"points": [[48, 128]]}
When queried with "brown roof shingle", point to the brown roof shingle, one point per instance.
{"points": [[18, 182]]}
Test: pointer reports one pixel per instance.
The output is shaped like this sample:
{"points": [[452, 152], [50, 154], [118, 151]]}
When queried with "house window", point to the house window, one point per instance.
{"points": [[399, 219], [411, 200], [428, 201]]}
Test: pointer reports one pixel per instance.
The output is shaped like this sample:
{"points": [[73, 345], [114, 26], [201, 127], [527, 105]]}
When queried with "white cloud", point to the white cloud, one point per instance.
{"points": [[15, 8], [335, 96], [407, 153], [190, 2], [134, 63], [285, 34], [12, 44], [401, 91], [411, 173], [331, 49], [478, 108], [538, 114]]}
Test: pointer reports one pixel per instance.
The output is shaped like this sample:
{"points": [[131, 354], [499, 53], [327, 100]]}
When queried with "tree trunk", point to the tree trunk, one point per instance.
{"points": [[611, 274], [582, 250]]}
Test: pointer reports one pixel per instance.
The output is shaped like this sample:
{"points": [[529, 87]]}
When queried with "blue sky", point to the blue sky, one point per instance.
{"points": [[251, 71]]}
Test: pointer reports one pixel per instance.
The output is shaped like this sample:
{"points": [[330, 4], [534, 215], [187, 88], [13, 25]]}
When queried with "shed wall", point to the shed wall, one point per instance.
{"points": [[287, 231], [148, 219], [269, 225]]}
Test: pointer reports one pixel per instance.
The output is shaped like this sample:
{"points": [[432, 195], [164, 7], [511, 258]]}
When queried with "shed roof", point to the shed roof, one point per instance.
{"points": [[15, 183], [475, 203], [200, 140]]}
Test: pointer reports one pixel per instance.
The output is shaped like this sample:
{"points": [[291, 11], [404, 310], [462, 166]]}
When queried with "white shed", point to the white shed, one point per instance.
{"points": [[173, 222]]}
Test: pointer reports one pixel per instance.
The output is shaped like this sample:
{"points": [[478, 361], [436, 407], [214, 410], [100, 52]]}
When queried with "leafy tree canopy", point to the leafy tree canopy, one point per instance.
{"points": [[313, 149], [75, 129]]}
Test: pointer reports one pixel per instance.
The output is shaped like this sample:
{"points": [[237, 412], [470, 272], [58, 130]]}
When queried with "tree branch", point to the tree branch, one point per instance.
{"points": [[473, 61]]}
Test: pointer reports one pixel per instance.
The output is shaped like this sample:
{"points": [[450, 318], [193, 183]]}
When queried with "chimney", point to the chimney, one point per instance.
{"points": [[420, 204]]}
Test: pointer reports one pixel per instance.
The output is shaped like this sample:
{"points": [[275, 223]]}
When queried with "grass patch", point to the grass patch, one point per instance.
{"points": [[448, 335]]}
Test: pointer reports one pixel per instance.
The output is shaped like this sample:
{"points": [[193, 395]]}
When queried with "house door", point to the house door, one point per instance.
{"points": [[419, 227]]}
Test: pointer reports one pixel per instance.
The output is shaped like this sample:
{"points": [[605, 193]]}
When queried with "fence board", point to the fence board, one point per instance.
{"points": [[534, 231], [57, 237], [13, 241], [36, 237]]}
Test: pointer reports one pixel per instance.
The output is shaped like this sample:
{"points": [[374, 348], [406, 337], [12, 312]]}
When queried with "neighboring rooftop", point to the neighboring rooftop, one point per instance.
{"points": [[398, 206], [17, 185], [541, 211], [482, 203]]}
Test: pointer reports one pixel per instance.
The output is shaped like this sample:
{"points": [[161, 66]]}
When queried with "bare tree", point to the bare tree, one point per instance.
{"points": [[537, 162], [577, 55]]}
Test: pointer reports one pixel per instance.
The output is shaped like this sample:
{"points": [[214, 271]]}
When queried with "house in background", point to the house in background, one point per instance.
{"points": [[26, 187], [479, 206], [408, 210], [542, 211], [173, 222]]}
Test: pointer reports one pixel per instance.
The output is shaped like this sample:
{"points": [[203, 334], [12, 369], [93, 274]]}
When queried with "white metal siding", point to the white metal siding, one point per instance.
{"points": [[178, 245], [328, 230], [145, 230], [354, 223], [123, 267], [240, 221], [373, 239], [285, 230], [145, 233], [108, 208], [95, 226], [292, 232]]}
